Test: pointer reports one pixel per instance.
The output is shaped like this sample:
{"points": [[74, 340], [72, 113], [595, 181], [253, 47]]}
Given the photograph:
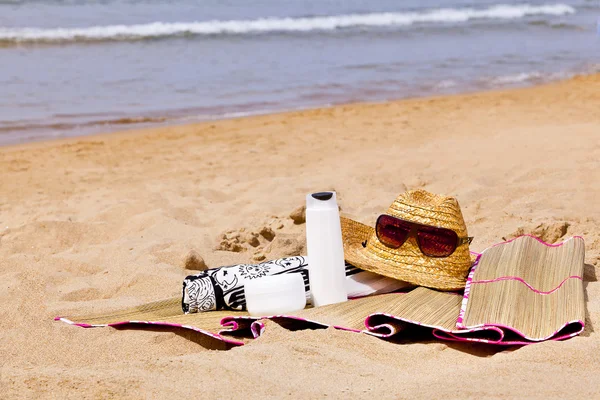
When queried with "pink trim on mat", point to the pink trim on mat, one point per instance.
{"points": [[258, 330], [435, 329], [452, 335], [342, 328], [463, 306], [193, 328], [370, 327], [233, 324], [373, 330], [502, 330], [516, 278]]}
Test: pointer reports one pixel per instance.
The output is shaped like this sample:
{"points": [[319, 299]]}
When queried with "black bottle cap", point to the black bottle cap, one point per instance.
{"points": [[323, 196]]}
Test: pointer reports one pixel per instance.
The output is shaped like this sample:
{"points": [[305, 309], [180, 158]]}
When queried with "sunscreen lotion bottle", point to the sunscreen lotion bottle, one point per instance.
{"points": [[326, 267]]}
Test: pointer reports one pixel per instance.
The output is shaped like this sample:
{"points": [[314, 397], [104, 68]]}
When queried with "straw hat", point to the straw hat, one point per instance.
{"points": [[363, 249]]}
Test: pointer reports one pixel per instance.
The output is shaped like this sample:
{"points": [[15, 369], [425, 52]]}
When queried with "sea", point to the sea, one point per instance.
{"points": [[76, 67]]}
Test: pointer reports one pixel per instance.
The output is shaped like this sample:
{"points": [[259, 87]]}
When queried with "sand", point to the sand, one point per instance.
{"points": [[104, 222]]}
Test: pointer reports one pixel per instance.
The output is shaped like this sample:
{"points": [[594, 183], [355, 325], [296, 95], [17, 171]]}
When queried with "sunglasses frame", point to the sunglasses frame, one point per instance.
{"points": [[414, 228]]}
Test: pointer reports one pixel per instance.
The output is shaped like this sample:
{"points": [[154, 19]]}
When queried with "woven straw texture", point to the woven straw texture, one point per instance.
{"points": [[428, 307], [421, 305], [168, 311], [408, 263], [547, 295], [519, 292], [429, 209]]}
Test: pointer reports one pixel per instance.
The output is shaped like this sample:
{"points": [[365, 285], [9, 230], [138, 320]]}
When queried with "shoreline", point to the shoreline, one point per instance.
{"points": [[170, 123]]}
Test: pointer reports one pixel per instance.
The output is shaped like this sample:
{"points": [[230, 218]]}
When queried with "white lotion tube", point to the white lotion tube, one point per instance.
{"points": [[326, 269]]}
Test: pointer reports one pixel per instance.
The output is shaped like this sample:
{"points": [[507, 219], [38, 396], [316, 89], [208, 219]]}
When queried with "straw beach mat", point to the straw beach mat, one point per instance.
{"points": [[375, 315], [530, 289], [519, 292]]}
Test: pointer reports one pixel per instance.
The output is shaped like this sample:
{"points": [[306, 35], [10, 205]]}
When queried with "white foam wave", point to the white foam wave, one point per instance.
{"points": [[266, 25], [517, 78], [531, 77], [445, 84]]}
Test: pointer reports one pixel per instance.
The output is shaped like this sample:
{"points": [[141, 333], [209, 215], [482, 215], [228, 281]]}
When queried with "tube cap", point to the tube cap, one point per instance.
{"points": [[321, 201]]}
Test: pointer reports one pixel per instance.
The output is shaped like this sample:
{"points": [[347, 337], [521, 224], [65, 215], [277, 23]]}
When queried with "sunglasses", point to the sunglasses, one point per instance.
{"points": [[432, 241]]}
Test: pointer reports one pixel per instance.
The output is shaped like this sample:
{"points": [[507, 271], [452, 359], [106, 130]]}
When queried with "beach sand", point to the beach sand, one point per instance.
{"points": [[105, 222]]}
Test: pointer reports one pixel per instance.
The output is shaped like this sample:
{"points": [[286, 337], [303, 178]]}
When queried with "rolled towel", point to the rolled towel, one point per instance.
{"points": [[223, 288]]}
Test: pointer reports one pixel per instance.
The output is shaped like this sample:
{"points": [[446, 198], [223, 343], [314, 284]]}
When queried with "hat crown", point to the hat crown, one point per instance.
{"points": [[426, 208], [424, 199]]}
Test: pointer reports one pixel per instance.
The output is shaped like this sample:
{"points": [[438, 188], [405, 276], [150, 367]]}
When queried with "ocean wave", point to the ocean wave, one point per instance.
{"points": [[516, 78], [535, 77], [272, 25], [445, 84]]}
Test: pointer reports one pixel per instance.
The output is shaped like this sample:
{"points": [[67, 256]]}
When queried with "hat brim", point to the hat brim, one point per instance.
{"points": [[404, 265]]}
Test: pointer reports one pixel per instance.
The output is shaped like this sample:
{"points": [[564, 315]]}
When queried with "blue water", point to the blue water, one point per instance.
{"points": [[77, 67]]}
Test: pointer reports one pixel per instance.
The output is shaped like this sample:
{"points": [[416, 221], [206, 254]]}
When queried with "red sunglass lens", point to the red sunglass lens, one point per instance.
{"points": [[391, 231], [437, 242]]}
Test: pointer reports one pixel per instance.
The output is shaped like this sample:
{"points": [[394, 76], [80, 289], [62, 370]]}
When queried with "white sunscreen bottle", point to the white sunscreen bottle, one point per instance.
{"points": [[326, 267]]}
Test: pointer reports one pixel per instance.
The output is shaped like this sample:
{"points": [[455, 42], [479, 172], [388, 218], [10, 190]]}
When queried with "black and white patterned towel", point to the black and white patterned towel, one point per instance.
{"points": [[223, 288]]}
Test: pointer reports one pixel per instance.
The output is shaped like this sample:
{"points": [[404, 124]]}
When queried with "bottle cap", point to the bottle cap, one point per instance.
{"points": [[321, 200], [275, 294]]}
